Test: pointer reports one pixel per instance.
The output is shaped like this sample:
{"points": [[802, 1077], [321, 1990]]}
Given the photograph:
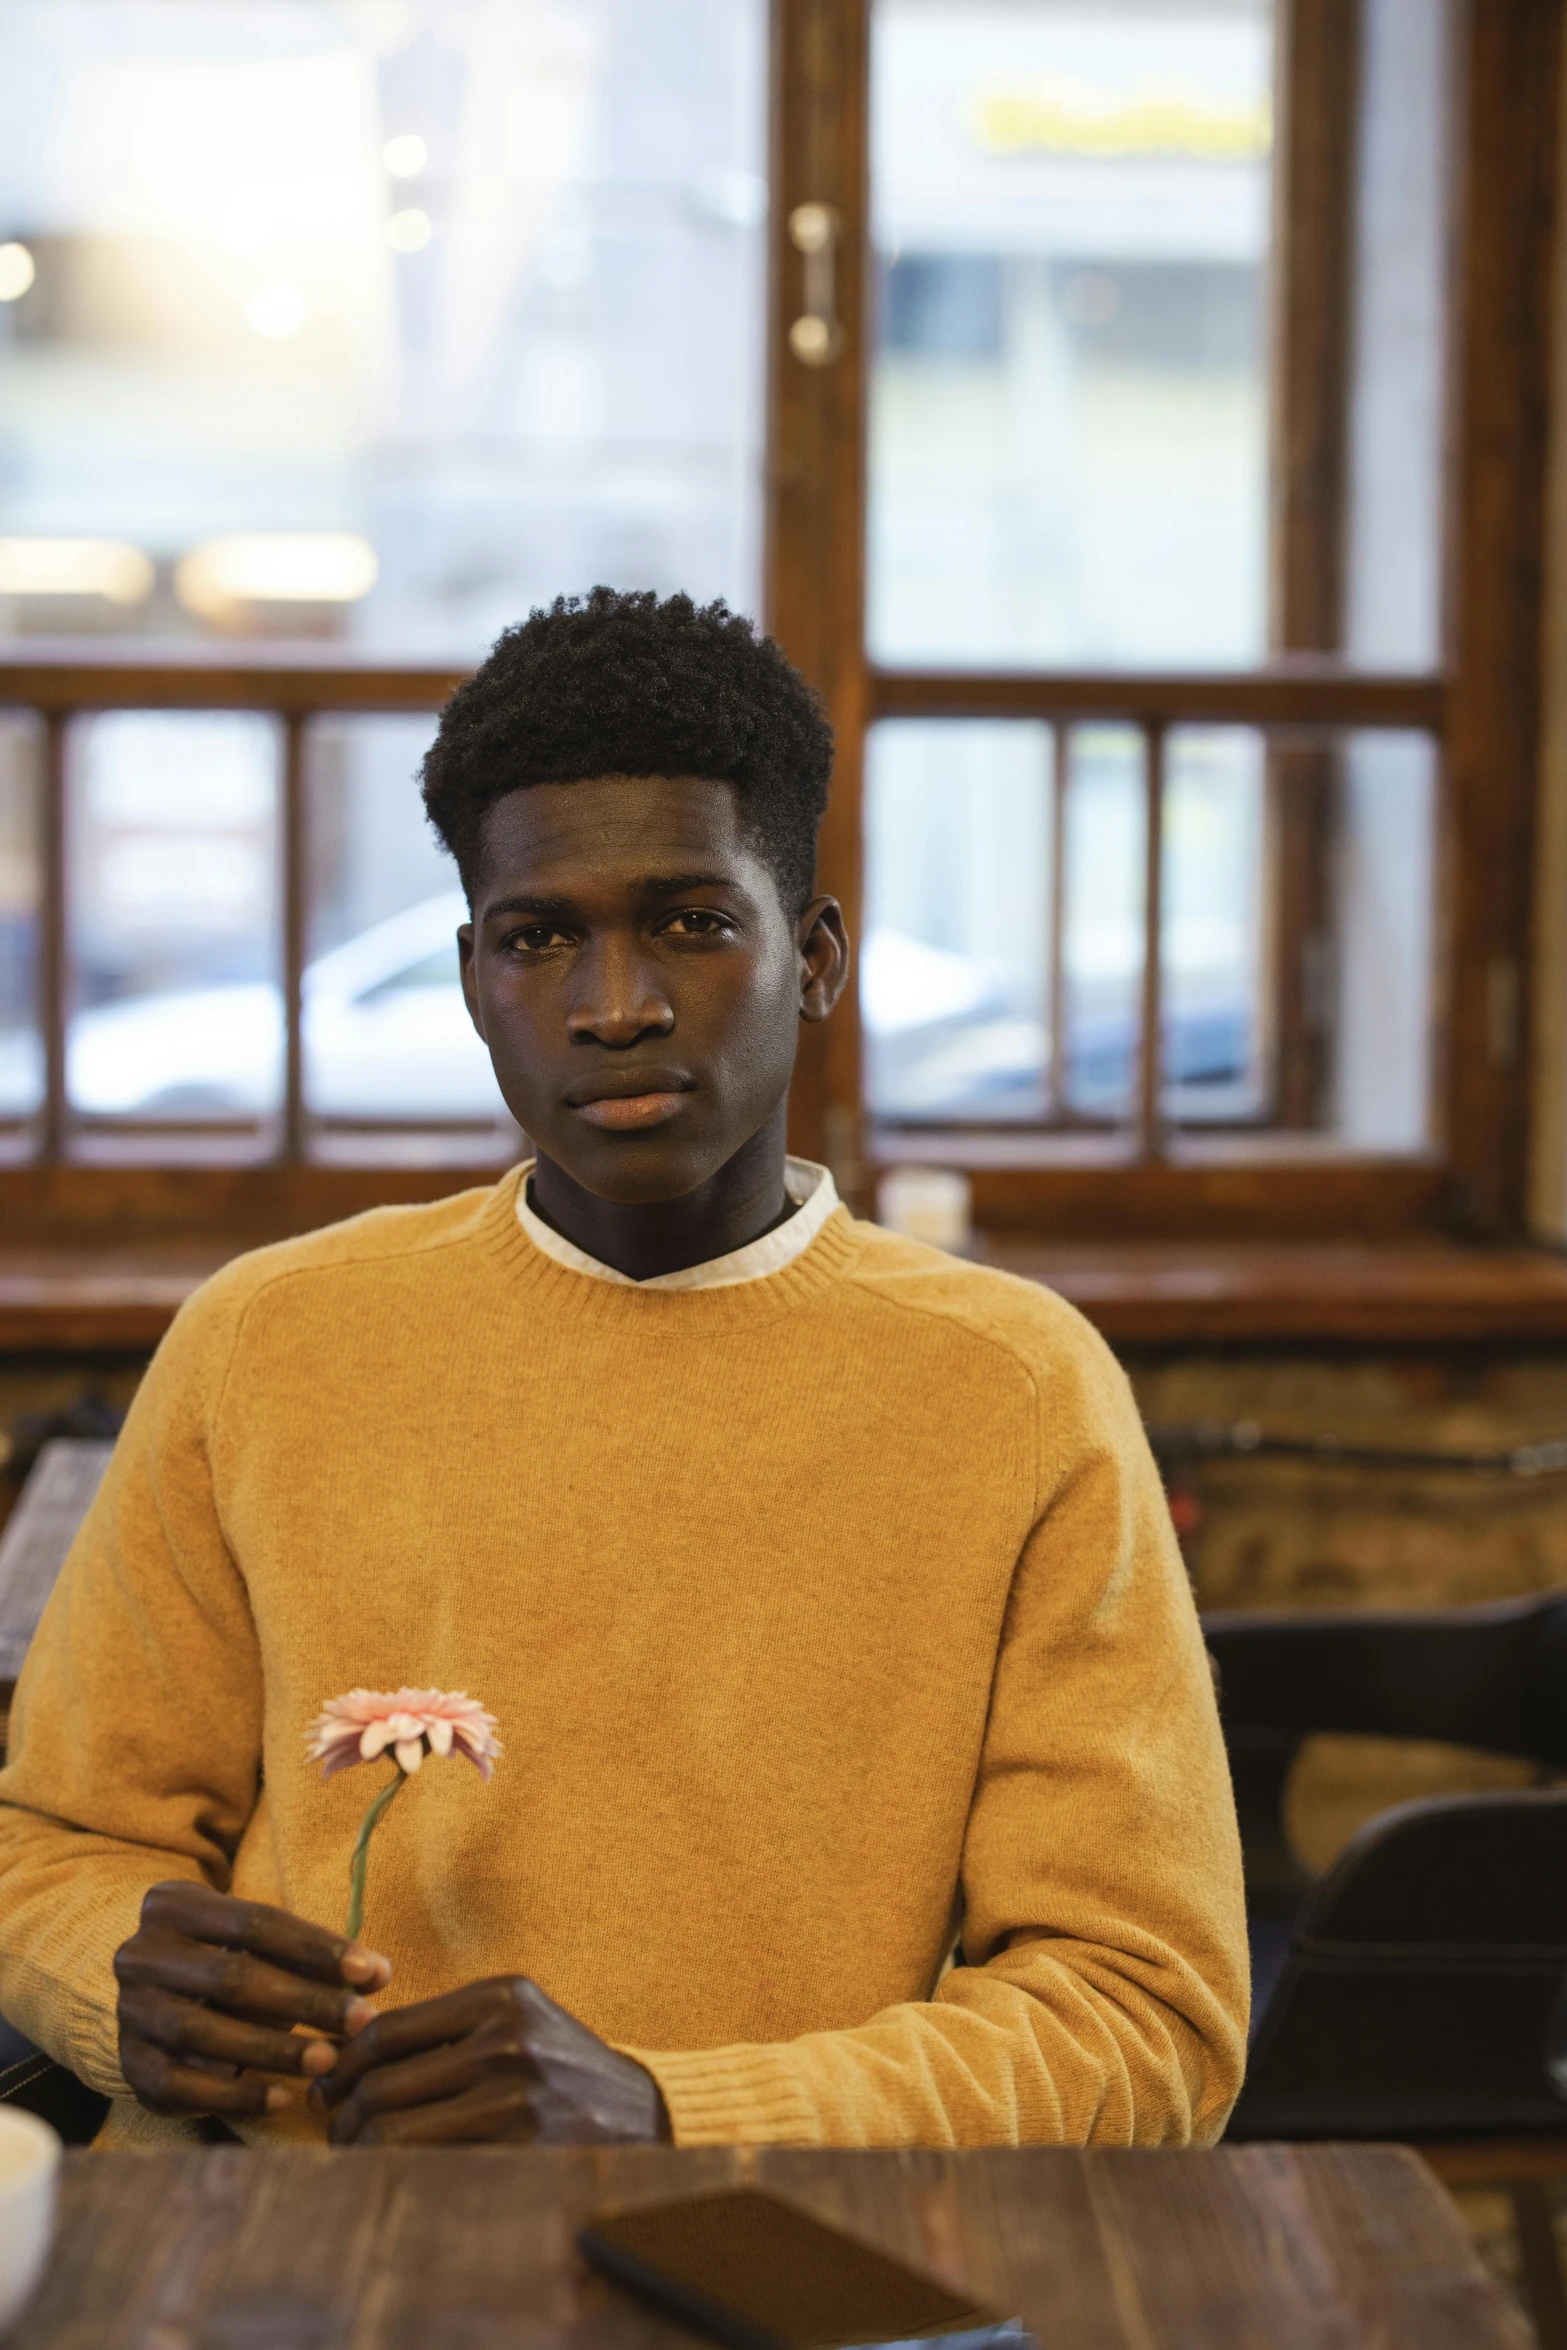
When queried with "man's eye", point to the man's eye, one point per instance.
{"points": [[696, 922], [539, 938]]}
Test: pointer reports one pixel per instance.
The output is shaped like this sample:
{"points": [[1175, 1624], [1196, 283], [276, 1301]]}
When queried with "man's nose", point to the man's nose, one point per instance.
{"points": [[618, 997]]}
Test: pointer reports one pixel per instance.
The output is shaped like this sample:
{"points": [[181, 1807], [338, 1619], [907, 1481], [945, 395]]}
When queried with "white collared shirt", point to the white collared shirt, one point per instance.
{"points": [[809, 1186]]}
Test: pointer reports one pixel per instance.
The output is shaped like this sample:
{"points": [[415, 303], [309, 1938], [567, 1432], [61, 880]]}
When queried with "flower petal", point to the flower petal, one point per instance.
{"points": [[324, 1733], [364, 1723]]}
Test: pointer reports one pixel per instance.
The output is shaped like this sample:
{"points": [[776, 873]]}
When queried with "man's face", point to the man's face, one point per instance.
{"points": [[637, 980]]}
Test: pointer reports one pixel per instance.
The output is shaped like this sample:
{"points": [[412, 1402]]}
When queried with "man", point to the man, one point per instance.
{"points": [[862, 1783]]}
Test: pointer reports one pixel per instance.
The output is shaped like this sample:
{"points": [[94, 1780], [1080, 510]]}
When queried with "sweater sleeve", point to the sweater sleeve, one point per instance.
{"points": [[1103, 1992], [135, 1735]]}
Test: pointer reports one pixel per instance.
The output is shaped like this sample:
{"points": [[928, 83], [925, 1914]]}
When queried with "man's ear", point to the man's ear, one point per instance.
{"points": [[470, 982], [824, 957]]}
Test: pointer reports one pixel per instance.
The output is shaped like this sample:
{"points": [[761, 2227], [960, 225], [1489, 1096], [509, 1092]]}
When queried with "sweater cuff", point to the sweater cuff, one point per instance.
{"points": [[69, 2024], [93, 2042], [740, 2096]]}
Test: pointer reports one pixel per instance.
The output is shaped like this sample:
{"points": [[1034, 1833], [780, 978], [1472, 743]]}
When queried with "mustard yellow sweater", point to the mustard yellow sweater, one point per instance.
{"points": [[828, 1618]]}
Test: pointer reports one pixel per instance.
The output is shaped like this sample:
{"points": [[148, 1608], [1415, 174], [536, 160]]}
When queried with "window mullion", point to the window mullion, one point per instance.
{"points": [[815, 501], [1055, 1006], [296, 883], [53, 990], [1150, 1106]]}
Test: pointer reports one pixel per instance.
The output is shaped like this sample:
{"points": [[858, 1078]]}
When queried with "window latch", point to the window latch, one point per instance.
{"points": [[816, 338]]}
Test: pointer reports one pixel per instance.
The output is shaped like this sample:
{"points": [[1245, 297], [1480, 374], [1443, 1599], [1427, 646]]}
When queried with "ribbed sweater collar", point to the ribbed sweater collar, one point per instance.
{"points": [[671, 1313]]}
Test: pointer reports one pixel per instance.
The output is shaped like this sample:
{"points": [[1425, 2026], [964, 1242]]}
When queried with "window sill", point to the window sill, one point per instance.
{"points": [[68, 1301], [1322, 1293], [1138, 1293]]}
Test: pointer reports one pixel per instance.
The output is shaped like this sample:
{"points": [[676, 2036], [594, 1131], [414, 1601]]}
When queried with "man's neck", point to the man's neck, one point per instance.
{"points": [[734, 1207]]}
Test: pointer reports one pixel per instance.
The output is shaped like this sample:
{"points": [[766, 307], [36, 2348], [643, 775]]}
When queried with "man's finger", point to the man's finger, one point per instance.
{"points": [[205, 2033], [492, 2110], [434, 2078], [408, 2031], [167, 2086], [179, 1906], [238, 1983]]}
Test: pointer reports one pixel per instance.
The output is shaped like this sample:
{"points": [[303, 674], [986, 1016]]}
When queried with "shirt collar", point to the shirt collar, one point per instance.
{"points": [[809, 1186]]}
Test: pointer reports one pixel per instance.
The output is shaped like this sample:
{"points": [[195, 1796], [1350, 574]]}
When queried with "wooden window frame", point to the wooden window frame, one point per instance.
{"points": [[1484, 706], [55, 1196]]}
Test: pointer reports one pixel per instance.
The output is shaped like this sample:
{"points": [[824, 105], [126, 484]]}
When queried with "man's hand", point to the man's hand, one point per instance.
{"points": [[211, 1990], [495, 2060]]}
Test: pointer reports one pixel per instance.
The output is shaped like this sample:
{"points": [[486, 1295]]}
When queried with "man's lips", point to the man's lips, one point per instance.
{"points": [[624, 1112]]}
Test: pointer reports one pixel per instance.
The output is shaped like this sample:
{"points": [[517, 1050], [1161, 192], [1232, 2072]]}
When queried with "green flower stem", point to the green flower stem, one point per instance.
{"points": [[361, 1859]]}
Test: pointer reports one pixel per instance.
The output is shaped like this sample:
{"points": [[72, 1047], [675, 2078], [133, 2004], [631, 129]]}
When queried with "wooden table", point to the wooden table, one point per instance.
{"points": [[1249, 2248]]}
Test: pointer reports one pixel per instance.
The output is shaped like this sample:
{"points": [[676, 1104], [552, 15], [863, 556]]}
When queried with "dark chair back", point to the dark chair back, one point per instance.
{"points": [[1416, 1991], [1491, 1677], [1422, 1994]]}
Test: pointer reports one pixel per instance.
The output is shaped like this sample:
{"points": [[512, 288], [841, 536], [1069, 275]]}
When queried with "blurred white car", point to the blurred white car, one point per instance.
{"points": [[386, 1034], [944, 1039]]}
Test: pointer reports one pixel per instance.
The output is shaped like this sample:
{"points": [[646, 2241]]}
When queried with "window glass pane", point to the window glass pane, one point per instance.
{"points": [[1377, 1001], [21, 1052], [1214, 925], [1102, 940], [1068, 432], [1297, 935], [387, 1036], [176, 1012], [1398, 344], [376, 322], [954, 968]]}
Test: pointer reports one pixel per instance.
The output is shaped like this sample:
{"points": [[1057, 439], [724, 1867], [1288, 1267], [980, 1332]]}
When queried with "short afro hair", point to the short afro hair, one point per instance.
{"points": [[626, 684]]}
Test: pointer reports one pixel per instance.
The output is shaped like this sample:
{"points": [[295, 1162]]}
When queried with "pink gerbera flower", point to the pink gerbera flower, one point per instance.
{"points": [[412, 1722]]}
